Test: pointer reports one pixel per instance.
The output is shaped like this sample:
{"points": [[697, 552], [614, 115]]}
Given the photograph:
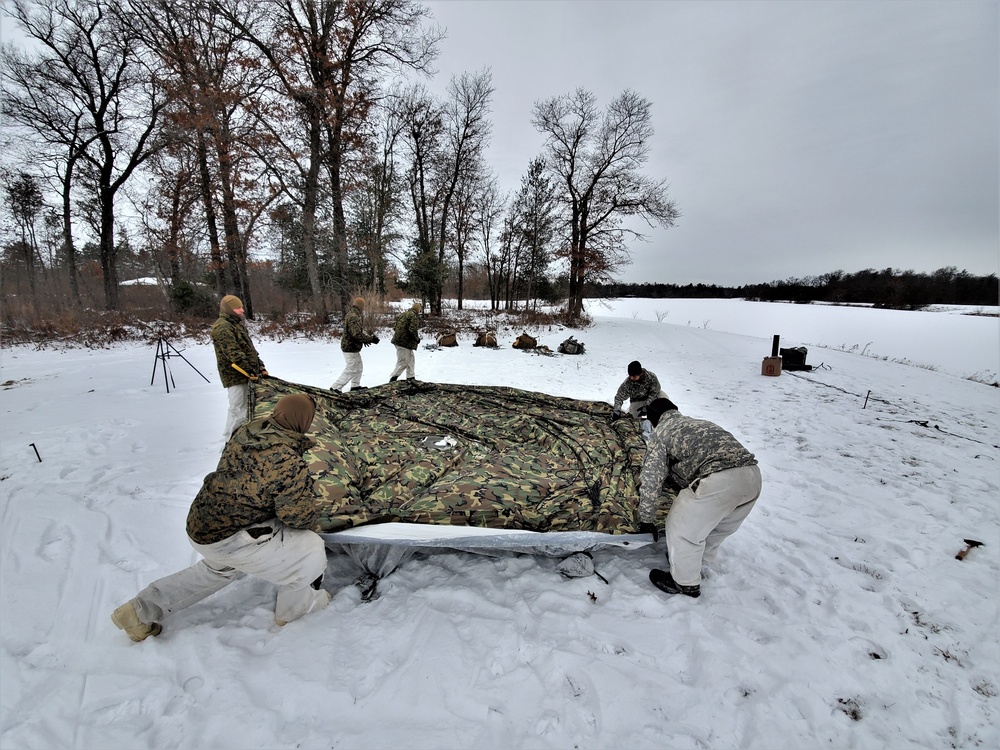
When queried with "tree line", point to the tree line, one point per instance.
{"points": [[889, 288], [217, 143]]}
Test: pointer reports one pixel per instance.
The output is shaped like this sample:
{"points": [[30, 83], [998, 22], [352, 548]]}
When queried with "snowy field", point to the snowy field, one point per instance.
{"points": [[837, 616]]}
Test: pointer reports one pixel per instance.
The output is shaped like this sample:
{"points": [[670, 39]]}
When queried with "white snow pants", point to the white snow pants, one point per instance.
{"points": [[405, 360], [290, 558], [703, 515], [634, 406], [237, 415], [352, 371]]}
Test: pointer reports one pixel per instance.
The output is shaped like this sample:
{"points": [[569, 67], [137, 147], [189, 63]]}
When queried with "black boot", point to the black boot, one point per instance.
{"points": [[394, 378], [666, 583]]}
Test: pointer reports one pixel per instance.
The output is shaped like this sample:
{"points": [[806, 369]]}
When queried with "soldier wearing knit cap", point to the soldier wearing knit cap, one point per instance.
{"points": [[351, 341], [255, 514], [640, 387], [237, 360], [406, 338]]}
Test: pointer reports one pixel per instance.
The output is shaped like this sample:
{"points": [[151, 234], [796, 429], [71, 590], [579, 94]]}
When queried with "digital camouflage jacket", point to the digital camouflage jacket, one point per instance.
{"points": [[233, 346], [261, 475], [406, 333], [686, 449], [643, 389], [354, 336]]}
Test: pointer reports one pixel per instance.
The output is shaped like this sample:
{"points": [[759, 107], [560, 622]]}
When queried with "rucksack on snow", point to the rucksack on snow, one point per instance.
{"points": [[524, 341], [571, 346]]}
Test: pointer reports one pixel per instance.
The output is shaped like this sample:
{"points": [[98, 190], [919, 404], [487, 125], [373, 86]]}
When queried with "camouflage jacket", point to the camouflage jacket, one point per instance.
{"points": [[233, 346], [354, 336], [406, 332], [261, 475], [643, 389], [687, 449]]}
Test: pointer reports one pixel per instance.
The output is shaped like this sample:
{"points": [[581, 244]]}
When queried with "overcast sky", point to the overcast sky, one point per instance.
{"points": [[797, 138]]}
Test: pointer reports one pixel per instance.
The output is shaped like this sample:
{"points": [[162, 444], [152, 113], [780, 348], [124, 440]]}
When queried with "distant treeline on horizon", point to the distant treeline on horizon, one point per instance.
{"points": [[886, 288]]}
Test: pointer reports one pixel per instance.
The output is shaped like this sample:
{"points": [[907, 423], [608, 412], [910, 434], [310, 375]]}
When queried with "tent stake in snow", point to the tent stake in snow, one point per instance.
{"points": [[866, 399], [36, 453], [164, 351]]}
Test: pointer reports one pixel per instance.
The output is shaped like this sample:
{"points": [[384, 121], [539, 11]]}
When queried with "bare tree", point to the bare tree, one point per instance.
{"points": [[446, 142], [325, 54], [165, 213], [424, 125], [378, 35], [597, 160], [490, 209], [37, 97], [103, 77], [217, 87], [463, 237], [377, 199]]}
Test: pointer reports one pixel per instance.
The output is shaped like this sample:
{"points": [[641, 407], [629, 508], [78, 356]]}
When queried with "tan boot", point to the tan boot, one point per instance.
{"points": [[126, 619], [320, 603]]}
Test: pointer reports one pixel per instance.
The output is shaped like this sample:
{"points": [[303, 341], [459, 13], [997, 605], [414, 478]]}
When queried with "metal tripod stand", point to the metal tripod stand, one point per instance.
{"points": [[164, 351]]}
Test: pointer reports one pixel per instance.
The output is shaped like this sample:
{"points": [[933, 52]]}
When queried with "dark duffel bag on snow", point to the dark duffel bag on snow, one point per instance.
{"points": [[794, 358]]}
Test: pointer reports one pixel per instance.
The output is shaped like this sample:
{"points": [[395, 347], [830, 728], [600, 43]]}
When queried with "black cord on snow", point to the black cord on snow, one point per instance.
{"points": [[922, 423], [926, 423], [834, 387]]}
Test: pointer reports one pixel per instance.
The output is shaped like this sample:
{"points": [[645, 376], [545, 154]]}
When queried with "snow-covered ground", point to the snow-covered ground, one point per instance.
{"points": [[837, 616]]}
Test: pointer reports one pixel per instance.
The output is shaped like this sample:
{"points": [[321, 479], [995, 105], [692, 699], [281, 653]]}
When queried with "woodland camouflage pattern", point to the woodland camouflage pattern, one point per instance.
{"points": [[682, 450], [645, 388], [354, 336], [490, 457], [262, 475], [233, 346], [406, 333]]}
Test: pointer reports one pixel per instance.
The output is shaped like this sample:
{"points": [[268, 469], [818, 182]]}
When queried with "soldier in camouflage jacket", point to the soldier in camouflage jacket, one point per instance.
{"points": [[720, 481], [639, 388], [254, 514], [234, 347], [406, 338], [351, 342]]}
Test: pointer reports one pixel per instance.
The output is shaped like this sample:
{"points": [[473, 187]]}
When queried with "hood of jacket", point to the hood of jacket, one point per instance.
{"points": [[263, 432]]}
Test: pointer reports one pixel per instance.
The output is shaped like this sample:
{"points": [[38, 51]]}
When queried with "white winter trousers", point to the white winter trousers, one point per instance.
{"points": [[352, 371], [290, 558], [405, 360], [239, 395], [703, 515]]}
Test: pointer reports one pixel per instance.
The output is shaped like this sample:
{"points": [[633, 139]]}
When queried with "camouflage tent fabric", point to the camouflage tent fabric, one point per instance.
{"points": [[475, 456]]}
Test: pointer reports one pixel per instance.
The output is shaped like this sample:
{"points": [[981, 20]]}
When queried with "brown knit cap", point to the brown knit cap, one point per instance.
{"points": [[417, 307], [230, 303], [359, 302], [294, 412]]}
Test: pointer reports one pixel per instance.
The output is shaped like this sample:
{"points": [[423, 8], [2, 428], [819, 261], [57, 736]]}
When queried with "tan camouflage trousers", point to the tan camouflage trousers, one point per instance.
{"points": [[290, 558], [703, 515]]}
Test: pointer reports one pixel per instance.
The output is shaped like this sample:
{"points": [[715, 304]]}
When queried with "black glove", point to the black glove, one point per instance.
{"points": [[650, 528], [374, 339], [616, 415]]}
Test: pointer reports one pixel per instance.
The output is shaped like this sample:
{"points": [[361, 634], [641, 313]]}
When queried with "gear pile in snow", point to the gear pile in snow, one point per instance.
{"points": [[460, 455]]}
